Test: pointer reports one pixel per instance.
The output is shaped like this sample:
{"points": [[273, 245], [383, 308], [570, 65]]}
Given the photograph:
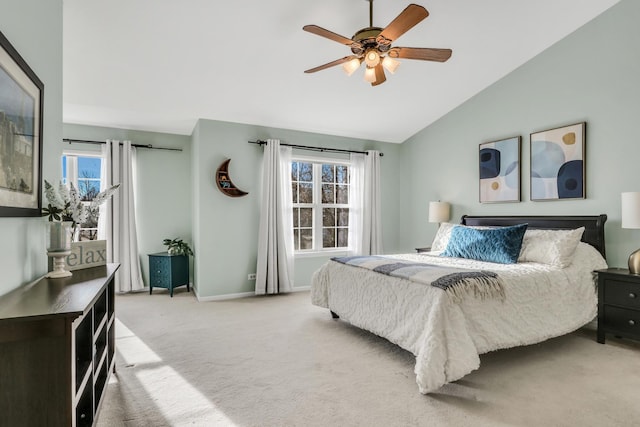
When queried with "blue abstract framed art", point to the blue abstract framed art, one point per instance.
{"points": [[499, 163], [558, 163]]}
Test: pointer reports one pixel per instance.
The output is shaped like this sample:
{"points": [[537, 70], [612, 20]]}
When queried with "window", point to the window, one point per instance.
{"points": [[84, 172], [320, 192]]}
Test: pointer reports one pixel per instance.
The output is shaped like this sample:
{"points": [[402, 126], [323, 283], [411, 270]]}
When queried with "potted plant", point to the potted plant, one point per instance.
{"points": [[66, 207], [66, 212], [177, 247]]}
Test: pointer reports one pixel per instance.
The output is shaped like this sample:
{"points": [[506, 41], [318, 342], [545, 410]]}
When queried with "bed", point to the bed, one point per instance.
{"points": [[540, 297]]}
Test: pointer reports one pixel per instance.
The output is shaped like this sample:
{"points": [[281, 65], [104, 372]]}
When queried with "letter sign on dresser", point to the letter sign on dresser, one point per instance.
{"points": [[57, 349], [618, 304]]}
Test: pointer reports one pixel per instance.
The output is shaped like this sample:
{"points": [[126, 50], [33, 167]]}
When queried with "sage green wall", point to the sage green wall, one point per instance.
{"points": [[34, 28], [226, 229], [163, 191], [592, 75]]}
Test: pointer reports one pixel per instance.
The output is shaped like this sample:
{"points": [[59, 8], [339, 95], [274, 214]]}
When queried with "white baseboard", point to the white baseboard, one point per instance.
{"points": [[241, 294], [225, 296]]}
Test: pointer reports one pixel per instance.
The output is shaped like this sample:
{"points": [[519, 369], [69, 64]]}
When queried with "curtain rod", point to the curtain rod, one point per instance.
{"points": [[149, 146], [306, 147]]}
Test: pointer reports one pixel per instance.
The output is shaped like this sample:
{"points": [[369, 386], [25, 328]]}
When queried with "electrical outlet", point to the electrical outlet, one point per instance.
{"points": [[251, 276]]}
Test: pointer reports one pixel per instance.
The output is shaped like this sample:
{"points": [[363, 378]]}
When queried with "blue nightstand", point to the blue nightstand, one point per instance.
{"points": [[168, 271]]}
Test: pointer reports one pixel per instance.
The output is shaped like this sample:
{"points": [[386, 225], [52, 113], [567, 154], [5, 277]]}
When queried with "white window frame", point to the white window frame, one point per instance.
{"points": [[72, 172], [317, 206]]}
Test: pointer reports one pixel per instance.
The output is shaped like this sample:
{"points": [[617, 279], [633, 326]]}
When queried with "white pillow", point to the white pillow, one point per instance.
{"points": [[442, 237], [553, 247]]}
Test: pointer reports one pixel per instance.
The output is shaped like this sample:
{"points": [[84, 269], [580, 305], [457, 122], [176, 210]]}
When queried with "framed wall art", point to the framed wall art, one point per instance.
{"points": [[558, 163], [21, 99], [500, 170]]}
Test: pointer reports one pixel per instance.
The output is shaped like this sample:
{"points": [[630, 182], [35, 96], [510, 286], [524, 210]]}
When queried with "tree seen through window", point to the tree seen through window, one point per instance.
{"points": [[84, 172], [320, 205]]}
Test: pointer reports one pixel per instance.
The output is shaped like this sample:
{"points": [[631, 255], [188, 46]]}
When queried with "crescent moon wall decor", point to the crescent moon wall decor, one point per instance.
{"points": [[223, 180]]}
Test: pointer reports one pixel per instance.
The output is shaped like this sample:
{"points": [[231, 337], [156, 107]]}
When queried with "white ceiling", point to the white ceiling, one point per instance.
{"points": [[161, 65]]}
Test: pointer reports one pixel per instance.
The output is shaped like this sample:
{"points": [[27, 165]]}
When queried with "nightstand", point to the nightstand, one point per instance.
{"points": [[168, 271], [427, 249], [618, 303]]}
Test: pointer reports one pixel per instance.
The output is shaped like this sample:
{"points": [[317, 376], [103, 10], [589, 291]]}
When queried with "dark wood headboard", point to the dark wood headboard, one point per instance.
{"points": [[593, 225]]}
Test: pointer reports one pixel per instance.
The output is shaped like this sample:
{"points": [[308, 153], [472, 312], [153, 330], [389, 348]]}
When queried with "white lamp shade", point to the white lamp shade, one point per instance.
{"points": [[439, 211], [390, 64], [372, 58], [370, 75], [351, 66], [631, 210]]}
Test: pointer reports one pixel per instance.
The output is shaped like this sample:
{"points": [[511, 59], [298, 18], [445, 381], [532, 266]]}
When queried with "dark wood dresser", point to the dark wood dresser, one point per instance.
{"points": [[618, 303], [57, 349]]}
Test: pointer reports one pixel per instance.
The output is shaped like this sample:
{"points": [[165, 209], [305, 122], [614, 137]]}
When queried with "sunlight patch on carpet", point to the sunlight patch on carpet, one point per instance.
{"points": [[163, 384], [131, 348]]}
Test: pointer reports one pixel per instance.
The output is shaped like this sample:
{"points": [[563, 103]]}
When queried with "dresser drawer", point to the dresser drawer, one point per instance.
{"points": [[623, 293], [622, 320], [159, 271]]}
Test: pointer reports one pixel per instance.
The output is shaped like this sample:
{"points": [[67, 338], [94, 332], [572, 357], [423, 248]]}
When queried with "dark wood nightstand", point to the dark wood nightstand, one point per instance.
{"points": [[168, 271], [427, 249], [618, 303]]}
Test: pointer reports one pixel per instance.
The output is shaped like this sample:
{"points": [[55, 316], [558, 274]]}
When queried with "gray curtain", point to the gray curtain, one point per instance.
{"points": [[117, 223], [274, 271], [365, 216]]}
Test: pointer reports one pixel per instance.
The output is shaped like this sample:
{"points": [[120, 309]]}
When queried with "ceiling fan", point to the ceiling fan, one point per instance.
{"points": [[372, 45]]}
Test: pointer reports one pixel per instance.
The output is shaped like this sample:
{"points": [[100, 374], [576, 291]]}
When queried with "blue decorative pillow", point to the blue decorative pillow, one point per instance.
{"points": [[500, 244]]}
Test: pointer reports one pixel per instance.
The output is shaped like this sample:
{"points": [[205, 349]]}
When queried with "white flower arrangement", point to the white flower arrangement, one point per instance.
{"points": [[65, 204]]}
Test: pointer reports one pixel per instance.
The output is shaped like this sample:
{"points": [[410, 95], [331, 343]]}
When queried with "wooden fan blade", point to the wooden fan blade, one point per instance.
{"points": [[331, 64], [319, 31], [407, 19], [422, 53], [380, 77]]}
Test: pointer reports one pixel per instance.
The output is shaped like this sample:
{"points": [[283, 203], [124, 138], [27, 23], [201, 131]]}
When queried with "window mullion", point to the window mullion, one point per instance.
{"points": [[72, 170], [317, 206]]}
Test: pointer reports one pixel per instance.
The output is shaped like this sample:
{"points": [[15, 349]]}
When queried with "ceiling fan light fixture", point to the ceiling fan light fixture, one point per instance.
{"points": [[370, 75], [373, 46], [350, 67], [390, 64], [372, 58]]}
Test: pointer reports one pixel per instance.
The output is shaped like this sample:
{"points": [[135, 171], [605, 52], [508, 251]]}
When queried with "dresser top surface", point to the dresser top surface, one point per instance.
{"points": [[165, 254], [617, 272], [68, 296]]}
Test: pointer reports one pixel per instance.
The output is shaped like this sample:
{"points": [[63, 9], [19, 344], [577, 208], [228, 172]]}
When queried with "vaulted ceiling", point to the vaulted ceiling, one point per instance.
{"points": [[161, 65]]}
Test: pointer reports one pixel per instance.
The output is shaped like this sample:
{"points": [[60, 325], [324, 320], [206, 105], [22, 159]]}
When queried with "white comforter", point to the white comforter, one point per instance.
{"points": [[446, 337]]}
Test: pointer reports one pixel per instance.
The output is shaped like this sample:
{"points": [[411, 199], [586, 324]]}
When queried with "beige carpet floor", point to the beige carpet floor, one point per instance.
{"points": [[279, 361]]}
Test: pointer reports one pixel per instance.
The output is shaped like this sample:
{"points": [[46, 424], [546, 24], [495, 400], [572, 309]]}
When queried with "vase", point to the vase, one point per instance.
{"points": [[59, 247], [59, 236]]}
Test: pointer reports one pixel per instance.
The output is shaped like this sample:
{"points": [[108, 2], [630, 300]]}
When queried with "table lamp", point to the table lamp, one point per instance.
{"points": [[439, 211], [631, 219]]}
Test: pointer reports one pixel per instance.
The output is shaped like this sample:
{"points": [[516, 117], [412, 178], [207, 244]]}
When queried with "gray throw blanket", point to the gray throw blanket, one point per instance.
{"points": [[457, 282]]}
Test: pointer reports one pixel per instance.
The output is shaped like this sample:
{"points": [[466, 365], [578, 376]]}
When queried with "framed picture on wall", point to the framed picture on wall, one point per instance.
{"points": [[499, 163], [558, 163], [21, 98]]}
